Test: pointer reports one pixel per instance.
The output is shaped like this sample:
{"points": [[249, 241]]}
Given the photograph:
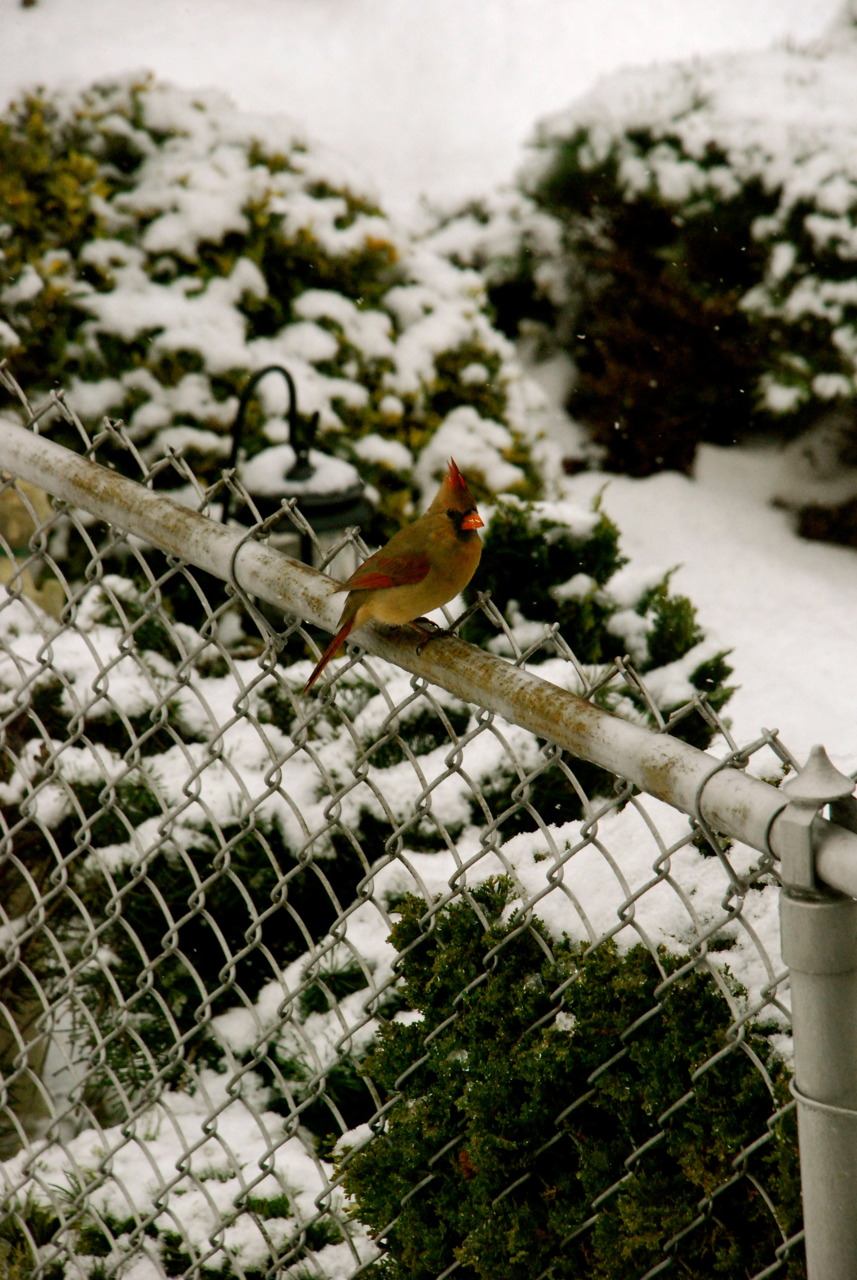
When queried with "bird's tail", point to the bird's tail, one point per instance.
{"points": [[328, 654]]}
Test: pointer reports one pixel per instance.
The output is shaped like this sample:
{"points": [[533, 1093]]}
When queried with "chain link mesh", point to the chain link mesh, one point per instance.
{"points": [[205, 1028]]}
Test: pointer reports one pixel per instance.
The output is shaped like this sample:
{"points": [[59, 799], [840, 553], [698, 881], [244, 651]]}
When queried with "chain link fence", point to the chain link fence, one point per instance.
{"points": [[376, 982]]}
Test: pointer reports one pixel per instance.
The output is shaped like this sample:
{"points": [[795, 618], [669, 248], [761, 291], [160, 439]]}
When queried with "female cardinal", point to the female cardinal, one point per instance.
{"points": [[422, 566]]}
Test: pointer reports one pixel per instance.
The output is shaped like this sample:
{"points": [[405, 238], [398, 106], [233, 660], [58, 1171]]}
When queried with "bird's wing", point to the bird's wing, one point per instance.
{"points": [[388, 571]]}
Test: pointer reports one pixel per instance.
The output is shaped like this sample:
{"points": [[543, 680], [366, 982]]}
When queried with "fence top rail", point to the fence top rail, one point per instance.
{"points": [[696, 782]]}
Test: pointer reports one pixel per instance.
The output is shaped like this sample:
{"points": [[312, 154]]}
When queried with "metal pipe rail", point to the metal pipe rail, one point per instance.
{"points": [[691, 780]]}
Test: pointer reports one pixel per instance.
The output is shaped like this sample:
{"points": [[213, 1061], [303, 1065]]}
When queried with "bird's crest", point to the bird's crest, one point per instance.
{"points": [[453, 493]]}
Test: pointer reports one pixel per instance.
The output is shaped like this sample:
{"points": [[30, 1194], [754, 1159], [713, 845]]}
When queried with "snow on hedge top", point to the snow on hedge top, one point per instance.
{"points": [[780, 105]]}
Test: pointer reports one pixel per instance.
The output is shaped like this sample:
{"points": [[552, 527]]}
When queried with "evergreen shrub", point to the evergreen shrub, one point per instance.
{"points": [[505, 1123]]}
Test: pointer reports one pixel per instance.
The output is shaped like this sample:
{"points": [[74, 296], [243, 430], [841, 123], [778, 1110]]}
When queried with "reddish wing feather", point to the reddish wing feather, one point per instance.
{"points": [[388, 571], [365, 581]]}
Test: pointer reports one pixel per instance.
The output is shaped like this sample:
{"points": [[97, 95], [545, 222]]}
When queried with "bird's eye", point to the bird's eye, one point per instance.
{"points": [[452, 514]]}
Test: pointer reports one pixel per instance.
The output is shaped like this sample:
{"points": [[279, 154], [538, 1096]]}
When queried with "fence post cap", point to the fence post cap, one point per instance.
{"points": [[819, 783]]}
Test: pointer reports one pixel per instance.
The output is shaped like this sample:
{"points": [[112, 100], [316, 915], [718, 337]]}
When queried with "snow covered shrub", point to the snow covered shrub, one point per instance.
{"points": [[158, 247], [504, 1118], [708, 215], [551, 561], [518, 250]]}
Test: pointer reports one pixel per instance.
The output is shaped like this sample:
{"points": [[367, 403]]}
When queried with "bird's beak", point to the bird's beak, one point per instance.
{"points": [[473, 521]]}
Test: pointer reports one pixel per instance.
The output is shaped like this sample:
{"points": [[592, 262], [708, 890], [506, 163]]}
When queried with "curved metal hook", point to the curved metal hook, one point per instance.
{"points": [[301, 440]]}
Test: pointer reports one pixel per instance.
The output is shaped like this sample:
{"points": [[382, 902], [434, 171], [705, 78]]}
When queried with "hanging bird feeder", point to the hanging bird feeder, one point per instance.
{"points": [[328, 491]]}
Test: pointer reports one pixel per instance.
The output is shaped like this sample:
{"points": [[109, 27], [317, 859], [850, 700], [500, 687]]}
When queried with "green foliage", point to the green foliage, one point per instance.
{"points": [[533, 1073], [527, 555], [47, 184], [546, 564], [674, 627]]}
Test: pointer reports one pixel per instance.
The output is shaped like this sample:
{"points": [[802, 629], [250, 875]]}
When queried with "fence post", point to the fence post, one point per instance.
{"points": [[819, 945]]}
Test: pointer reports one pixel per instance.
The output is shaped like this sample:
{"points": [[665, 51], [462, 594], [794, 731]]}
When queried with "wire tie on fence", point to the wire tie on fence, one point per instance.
{"points": [[54, 401], [827, 1108], [772, 740], [524, 655], [735, 759], [489, 608]]}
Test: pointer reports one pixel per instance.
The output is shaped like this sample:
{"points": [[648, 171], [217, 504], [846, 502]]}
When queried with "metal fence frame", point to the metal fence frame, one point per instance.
{"points": [[817, 855]]}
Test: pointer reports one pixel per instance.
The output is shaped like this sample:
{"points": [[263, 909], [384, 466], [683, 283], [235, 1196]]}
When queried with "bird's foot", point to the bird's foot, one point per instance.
{"points": [[429, 631]]}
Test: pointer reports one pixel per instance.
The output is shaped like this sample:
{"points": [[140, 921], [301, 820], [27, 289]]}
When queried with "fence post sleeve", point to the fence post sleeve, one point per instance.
{"points": [[819, 945]]}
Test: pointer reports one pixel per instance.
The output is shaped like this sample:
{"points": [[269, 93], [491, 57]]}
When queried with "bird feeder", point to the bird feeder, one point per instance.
{"points": [[328, 491]]}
